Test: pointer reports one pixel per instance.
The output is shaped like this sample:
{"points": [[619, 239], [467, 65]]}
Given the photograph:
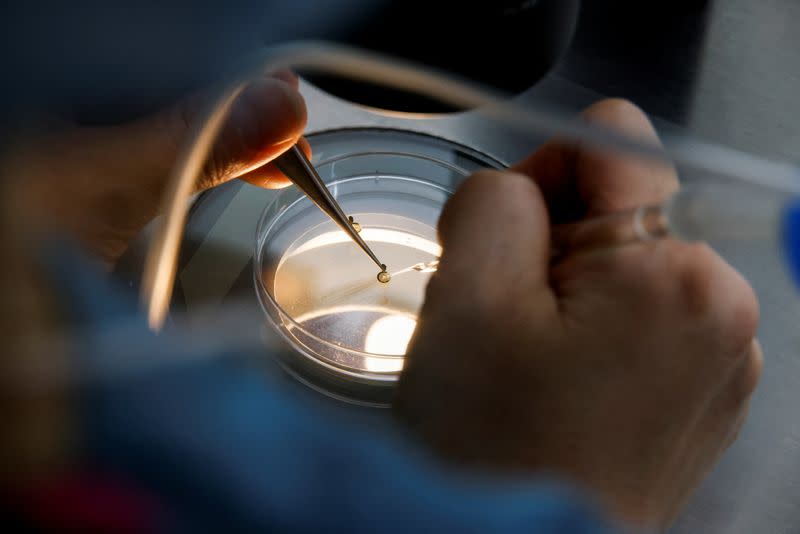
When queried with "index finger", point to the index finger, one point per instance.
{"points": [[587, 181]]}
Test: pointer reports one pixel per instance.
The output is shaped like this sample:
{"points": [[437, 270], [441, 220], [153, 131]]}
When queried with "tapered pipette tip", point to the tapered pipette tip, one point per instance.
{"points": [[295, 165]]}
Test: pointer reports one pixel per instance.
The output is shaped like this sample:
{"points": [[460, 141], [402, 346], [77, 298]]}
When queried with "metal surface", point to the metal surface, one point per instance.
{"points": [[295, 165]]}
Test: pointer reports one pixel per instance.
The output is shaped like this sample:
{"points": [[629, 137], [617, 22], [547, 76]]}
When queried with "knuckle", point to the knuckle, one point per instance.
{"points": [[695, 279], [701, 283], [711, 291], [659, 264]]}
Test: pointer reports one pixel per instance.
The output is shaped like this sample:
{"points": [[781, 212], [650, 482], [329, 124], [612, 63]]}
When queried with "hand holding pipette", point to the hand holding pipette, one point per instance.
{"points": [[715, 211], [639, 361], [695, 213]]}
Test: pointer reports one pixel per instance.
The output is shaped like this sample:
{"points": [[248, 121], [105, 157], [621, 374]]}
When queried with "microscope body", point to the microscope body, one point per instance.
{"points": [[508, 44]]}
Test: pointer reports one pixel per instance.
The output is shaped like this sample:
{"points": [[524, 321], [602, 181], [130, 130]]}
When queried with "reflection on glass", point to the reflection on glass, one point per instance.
{"points": [[390, 335], [328, 287]]}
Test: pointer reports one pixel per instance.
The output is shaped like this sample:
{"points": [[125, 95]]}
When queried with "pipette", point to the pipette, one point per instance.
{"points": [[707, 213]]}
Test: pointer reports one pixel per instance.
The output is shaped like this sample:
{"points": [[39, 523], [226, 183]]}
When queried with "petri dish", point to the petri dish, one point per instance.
{"points": [[348, 330]]}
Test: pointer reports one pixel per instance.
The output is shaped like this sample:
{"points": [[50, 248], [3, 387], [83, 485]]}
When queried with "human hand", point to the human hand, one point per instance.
{"points": [[627, 370], [104, 184]]}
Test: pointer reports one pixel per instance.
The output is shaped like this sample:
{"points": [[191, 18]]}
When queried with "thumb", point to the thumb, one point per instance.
{"points": [[495, 238], [266, 119]]}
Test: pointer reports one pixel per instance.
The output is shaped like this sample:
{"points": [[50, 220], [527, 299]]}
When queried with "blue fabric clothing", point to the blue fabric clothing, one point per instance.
{"points": [[223, 447]]}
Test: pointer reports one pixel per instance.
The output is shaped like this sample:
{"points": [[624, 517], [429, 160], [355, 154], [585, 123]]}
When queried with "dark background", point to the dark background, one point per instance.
{"points": [[727, 69]]}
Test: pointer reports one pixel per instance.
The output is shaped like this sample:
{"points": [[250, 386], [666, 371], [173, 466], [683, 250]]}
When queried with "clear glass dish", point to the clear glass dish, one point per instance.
{"points": [[349, 331]]}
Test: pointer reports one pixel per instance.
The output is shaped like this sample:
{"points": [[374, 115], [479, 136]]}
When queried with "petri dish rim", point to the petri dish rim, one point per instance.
{"points": [[264, 292], [454, 161]]}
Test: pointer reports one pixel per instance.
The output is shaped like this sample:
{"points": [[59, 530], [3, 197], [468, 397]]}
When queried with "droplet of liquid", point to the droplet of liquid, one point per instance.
{"points": [[384, 277]]}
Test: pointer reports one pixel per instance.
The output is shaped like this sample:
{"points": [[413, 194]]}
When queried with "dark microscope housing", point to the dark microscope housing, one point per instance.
{"points": [[506, 44]]}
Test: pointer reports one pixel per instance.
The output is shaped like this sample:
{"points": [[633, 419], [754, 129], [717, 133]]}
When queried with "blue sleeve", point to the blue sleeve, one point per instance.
{"points": [[224, 448]]}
